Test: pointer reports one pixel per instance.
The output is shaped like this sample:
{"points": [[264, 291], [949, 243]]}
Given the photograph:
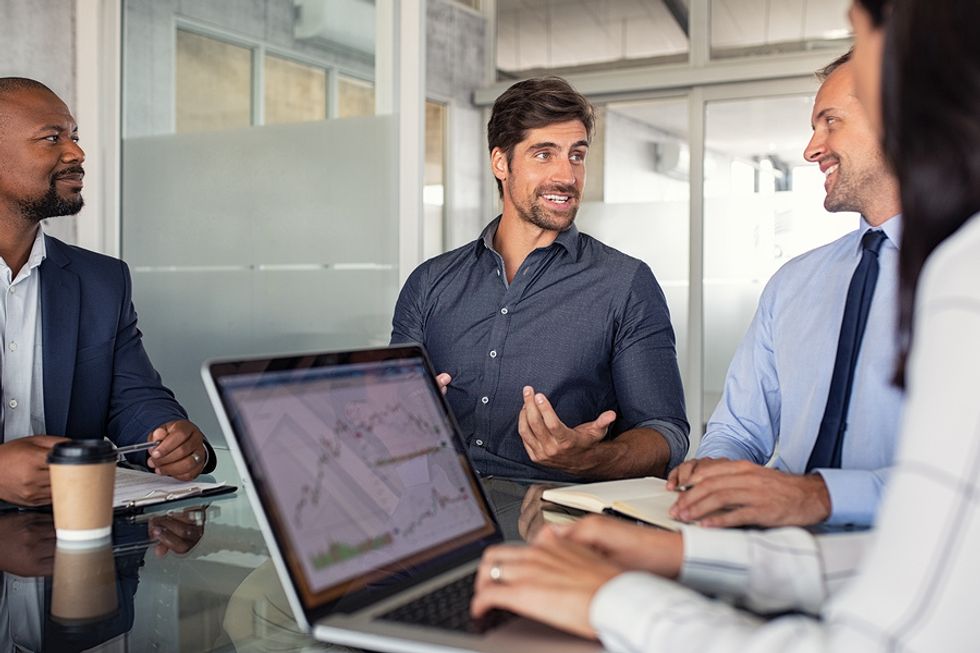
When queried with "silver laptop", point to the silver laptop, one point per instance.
{"points": [[369, 505]]}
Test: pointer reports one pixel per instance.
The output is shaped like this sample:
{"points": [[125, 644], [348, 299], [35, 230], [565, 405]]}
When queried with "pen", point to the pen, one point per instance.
{"points": [[685, 487], [133, 448]]}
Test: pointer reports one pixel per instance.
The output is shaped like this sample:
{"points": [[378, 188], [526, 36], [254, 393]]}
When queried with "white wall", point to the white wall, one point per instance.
{"points": [[43, 50]]}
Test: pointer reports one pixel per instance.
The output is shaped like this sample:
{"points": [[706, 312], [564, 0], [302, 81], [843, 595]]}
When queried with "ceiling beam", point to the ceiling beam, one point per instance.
{"points": [[682, 76], [678, 11]]}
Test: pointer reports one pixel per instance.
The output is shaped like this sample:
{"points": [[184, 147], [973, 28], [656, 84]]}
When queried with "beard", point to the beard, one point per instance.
{"points": [[51, 204], [847, 193], [533, 212]]}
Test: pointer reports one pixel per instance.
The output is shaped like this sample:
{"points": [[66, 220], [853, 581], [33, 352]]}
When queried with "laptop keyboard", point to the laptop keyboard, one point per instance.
{"points": [[448, 608]]}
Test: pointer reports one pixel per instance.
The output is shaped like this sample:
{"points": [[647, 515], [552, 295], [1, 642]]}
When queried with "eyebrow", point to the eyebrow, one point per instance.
{"points": [[58, 128], [545, 145]]}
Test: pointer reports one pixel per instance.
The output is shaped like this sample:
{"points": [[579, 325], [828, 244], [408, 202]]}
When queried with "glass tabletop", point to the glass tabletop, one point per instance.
{"points": [[192, 576]]}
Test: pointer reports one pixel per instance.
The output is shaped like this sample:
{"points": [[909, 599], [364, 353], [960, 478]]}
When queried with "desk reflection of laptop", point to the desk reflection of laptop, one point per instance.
{"points": [[370, 507]]}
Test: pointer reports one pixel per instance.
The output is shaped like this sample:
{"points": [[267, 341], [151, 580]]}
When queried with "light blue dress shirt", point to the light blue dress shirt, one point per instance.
{"points": [[777, 384]]}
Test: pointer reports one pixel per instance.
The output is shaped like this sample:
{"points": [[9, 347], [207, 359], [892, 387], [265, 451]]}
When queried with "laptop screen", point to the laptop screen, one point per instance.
{"points": [[359, 468]]}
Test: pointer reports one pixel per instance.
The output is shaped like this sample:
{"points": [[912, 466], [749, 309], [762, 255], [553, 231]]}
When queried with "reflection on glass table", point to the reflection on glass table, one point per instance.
{"points": [[70, 598], [192, 578]]}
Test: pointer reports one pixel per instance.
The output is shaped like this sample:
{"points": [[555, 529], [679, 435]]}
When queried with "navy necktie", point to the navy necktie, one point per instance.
{"points": [[830, 438]]}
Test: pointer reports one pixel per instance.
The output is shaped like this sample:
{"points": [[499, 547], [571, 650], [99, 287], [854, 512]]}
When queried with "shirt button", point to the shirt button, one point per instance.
{"points": [[12, 403], [493, 353], [479, 443], [12, 346], [503, 311], [11, 290], [485, 399]]}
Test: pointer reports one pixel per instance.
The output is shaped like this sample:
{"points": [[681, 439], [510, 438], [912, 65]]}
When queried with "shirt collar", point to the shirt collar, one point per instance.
{"points": [[892, 228], [39, 252], [567, 239]]}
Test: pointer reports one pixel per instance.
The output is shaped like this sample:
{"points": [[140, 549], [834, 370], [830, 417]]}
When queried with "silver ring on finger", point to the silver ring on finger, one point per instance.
{"points": [[197, 458], [497, 573]]}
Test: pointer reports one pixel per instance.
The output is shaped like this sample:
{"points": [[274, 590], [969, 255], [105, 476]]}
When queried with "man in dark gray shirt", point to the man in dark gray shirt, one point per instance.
{"points": [[558, 350]]}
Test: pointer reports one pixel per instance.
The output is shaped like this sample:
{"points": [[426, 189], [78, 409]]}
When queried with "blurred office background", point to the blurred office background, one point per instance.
{"points": [[272, 170]]}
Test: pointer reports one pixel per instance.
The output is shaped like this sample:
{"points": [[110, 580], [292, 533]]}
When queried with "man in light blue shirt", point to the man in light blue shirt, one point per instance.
{"points": [[778, 383]]}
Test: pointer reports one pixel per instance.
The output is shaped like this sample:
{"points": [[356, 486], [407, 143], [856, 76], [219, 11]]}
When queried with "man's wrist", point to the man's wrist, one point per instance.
{"points": [[820, 496], [619, 458]]}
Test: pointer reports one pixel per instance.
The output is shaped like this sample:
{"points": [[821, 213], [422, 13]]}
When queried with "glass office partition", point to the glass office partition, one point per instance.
{"points": [[763, 205], [637, 195], [294, 91], [214, 84], [256, 224]]}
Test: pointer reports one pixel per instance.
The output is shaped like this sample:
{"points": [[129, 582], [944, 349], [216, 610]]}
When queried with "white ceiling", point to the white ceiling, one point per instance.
{"points": [[534, 34]]}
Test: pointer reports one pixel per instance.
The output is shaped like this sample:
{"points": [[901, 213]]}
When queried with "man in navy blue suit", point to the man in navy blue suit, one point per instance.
{"points": [[73, 363]]}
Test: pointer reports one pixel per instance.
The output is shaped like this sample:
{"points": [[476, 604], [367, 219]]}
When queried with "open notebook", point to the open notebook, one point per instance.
{"points": [[644, 499]]}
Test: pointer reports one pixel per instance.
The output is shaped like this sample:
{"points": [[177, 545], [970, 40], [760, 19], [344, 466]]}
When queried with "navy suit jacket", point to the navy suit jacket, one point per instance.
{"points": [[98, 380]]}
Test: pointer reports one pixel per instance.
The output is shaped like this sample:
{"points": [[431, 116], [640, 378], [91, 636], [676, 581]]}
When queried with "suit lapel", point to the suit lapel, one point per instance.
{"points": [[60, 312]]}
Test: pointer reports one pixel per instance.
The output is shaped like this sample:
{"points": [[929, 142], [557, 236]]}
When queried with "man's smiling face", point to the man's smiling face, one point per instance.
{"points": [[40, 161], [845, 145], [544, 178]]}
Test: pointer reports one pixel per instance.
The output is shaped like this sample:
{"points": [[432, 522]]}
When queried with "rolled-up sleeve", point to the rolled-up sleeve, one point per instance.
{"points": [[408, 323], [644, 367]]}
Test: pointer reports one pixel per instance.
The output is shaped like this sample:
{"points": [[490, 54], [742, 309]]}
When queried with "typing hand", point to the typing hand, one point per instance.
{"points": [[550, 443], [24, 477], [552, 581], [181, 452], [633, 547], [740, 493]]}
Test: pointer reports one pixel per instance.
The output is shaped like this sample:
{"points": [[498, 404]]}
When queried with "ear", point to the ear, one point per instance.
{"points": [[498, 164]]}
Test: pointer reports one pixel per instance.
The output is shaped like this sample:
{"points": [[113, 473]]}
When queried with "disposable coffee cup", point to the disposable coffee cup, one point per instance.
{"points": [[84, 583], [83, 473]]}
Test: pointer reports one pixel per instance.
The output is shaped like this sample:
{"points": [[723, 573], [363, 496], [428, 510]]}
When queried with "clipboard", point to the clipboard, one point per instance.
{"points": [[157, 490], [137, 489]]}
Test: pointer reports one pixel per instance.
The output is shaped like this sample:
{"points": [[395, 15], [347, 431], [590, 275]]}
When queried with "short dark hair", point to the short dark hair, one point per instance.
{"points": [[531, 104], [12, 84], [829, 69]]}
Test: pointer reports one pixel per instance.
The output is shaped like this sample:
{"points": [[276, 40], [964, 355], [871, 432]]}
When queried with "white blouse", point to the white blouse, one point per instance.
{"points": [[910, 585]]}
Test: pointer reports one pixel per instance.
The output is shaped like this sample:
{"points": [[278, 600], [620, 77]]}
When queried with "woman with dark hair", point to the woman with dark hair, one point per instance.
{"points": [[910, 584]]}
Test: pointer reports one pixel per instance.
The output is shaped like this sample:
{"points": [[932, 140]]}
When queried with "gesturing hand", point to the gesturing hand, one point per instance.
{"points": [[549, 442], [443, 380]]}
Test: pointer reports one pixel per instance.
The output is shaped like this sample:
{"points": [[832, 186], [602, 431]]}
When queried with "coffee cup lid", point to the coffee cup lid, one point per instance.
{"points": [[82, 452]]}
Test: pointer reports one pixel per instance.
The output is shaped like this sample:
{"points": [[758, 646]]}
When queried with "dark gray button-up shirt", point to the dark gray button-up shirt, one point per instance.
{"points": [[581, 322]]}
